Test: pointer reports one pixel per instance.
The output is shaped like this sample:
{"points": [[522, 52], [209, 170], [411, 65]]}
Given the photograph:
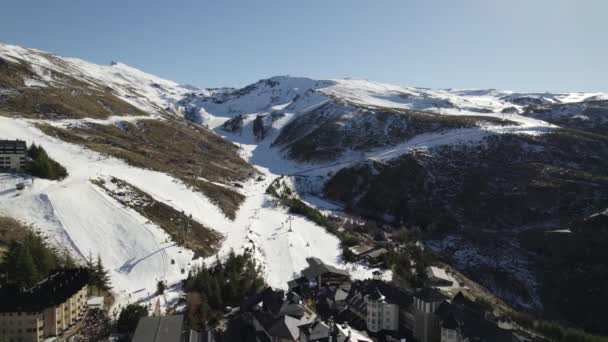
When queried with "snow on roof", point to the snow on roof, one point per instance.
{"points": [[95, 302], [436, 272], [355, 335], [360, 249]]}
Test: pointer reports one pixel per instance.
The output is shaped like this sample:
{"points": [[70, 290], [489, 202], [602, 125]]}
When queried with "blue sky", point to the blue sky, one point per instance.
{"points": [[524, 45]]}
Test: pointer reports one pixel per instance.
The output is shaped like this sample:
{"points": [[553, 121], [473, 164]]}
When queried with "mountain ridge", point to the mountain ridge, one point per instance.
{"points": [[436, 158]]}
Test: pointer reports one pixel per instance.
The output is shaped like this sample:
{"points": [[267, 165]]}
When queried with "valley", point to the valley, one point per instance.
{"points": [[470, 172]]}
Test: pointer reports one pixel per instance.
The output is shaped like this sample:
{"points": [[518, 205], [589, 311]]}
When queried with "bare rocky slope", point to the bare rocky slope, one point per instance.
{"points": [[501, 212]]}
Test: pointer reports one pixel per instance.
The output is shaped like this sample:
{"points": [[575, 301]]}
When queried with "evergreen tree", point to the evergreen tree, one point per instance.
{"points": [[29, 260], [41, 165], [88, 263], [21, 268], [223, 284], [44, 258], [129, 317], [68, 261], [160, 287], [98, 275]]}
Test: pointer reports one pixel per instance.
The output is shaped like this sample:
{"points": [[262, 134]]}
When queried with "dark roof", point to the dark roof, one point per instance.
{"points": [[377, 289], [466, 316], [317, 267], [377, 252], [317, 325], [239, 330], [450, 322], [159, 329], [297, 282], [294, 310], [12, 146], [429, 294], [347, 315], [285, 327], [375, 294], [52, 291], [272, 300], [294, 297]]}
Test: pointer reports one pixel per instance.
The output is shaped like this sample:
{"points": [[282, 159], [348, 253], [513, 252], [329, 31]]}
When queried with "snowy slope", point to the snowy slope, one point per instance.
{"points": [[76, 214], [366, 116], [299, 95], [145, 91]]}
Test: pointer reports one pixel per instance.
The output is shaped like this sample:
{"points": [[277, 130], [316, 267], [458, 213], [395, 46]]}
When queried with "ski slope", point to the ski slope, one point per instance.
{"points": [[77, 215]]}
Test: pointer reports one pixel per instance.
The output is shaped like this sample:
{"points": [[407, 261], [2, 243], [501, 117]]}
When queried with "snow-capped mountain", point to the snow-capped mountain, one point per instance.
{"points": [[444, 161], [320, 120], [150, 93], [116, 122], [404, 155]]}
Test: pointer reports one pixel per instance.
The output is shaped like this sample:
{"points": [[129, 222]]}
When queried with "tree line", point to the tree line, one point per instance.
{"points": [[42, 166], [30, 260], [224, 283]]}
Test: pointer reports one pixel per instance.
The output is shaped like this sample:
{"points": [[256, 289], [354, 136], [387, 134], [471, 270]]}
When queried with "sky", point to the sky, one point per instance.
{"points": [[520, 45]]}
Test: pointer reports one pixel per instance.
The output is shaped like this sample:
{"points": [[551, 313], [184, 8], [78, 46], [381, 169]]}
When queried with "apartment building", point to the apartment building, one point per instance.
{"points": [[49, 309], [12, 155]]}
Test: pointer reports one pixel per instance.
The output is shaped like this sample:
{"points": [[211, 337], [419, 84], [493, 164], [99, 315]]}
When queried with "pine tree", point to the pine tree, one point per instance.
{"points": [[68, 261], [41, 165], [22, 267], [44, 258], [101, 275], [129, 317], [160, 287]]}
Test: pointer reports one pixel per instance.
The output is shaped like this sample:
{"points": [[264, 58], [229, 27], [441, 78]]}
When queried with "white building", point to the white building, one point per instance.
{"points": [[381, 315], [12, 155], [383, 307]]}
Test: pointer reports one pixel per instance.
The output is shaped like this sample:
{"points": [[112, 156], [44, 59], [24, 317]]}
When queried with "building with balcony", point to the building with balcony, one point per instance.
{"points": [[49, 309]]}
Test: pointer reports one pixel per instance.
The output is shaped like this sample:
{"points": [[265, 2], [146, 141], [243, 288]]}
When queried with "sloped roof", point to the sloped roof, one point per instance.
{"points": [[340, 295], [377, 289], [53, 290], [317, 267], [286, 327], [159, 329], [270, 298], [378, 252], [429, 294], [353, 334], [471, 321], [319, 327]]}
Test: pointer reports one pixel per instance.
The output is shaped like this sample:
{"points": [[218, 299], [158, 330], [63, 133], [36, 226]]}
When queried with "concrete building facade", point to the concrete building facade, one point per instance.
{"points": [[49, 309], [12, 155]]}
